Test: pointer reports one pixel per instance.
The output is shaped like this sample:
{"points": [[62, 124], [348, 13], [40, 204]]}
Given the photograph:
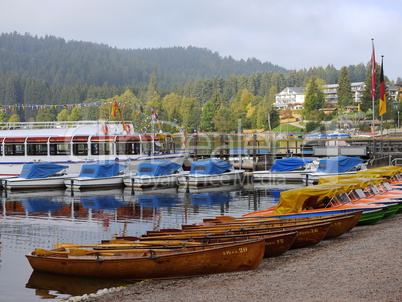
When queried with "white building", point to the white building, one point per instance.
{"points": [[293, 97], [290, 97]]}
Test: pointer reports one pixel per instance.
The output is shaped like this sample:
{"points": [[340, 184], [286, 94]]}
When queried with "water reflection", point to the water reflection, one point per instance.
{"points": [[158, 201], [50, 286], [43, 218], [210, 199]]}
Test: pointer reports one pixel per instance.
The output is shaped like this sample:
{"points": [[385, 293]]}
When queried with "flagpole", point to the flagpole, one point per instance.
{"points": [[373, 79], [381, 75]]}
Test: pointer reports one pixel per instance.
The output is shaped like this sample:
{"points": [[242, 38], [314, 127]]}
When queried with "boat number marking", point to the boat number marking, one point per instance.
{"points": [[239, 251], [278, 241], [309, 232]]}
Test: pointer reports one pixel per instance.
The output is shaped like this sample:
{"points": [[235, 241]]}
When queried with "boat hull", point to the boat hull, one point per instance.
{"points": [[19, 183], [78, 183], [307, 234], [211, 180], [223, 259], [278, 177], [144, 181], [372, 217]]}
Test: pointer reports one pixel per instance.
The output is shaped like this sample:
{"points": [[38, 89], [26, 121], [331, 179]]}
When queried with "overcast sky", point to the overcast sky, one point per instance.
{"points": [[293, 34]]}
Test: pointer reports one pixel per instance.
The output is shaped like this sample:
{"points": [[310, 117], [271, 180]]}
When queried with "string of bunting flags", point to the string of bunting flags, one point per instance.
{"points": [[152, 118]]}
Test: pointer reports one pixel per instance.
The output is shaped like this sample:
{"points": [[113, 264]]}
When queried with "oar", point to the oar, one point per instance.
{"points": [[72, 245], [132, 244], [83, 252], [43, 252], [170, 242]]}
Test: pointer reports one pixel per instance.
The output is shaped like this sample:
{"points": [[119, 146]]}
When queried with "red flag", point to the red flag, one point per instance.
{"points": [[373, 73], [383, 101]]}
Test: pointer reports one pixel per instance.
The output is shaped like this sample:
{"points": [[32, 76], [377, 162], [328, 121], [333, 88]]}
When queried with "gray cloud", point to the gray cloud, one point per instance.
{"points": [[291, 33]]}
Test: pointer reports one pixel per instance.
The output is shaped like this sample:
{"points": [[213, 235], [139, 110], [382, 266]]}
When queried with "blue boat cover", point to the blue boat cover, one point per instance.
{"points": [[247, 151], [210, 166], [40, 170], [289, 164], [101, 169], [338, 164], [157, 168], [339, 135]]}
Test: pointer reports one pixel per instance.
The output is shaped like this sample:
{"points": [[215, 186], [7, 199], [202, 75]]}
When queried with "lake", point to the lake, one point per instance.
{"points": [[39, 219]]}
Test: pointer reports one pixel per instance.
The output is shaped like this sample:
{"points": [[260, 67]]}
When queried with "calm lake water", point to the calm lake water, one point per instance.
{"points": [[30, 220]]}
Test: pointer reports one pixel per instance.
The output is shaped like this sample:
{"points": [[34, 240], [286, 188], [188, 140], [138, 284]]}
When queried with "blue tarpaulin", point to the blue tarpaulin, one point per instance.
{"points": [[289, 164], [41, 170], [247, 151], [157, 168], [338, 164], [101, 169], [210, 166]]}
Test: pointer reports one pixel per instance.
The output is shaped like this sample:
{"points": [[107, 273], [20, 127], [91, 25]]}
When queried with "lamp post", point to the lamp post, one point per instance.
{"points": [[398, 119]]}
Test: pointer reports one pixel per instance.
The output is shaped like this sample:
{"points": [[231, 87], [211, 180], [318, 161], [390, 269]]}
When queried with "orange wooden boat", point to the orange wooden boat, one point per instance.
{"points": [[276, 243], [340, 224], [150, 264], [307, 234], [357, 215]]}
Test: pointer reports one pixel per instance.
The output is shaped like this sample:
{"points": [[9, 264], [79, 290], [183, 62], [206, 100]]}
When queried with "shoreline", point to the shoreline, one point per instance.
{"points": [[364, 264]]}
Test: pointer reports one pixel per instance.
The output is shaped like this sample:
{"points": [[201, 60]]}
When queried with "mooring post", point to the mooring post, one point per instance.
{"points": [[195, 146], [221, 147], [254, 150]]}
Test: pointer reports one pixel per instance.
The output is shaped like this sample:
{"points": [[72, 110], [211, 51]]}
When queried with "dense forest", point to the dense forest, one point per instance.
{"points": [[42, 77]]}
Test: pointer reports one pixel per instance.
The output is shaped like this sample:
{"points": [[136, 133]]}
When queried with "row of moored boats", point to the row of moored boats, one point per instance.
{"points": [[101, 174], [303, 217]]}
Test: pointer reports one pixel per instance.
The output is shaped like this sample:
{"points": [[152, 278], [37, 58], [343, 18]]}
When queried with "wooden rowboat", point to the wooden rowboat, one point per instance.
{"points": [[307, 234], [232, 220], [150, 264], [340, 224], [276, 243]]}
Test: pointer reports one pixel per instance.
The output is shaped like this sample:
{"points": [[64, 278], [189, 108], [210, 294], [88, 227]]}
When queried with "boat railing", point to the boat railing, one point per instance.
{"points": [[51, 125]]}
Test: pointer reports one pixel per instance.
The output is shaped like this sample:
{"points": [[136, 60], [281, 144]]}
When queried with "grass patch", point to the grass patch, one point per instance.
{"points": [[287, 128]]}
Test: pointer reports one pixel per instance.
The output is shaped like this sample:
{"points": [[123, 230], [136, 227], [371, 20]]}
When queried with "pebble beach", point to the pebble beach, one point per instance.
{"points": [[364, 264]]}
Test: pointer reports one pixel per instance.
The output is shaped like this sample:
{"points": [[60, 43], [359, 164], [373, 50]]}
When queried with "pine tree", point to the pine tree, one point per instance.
{"points": [[344, 89], [314, 99]]}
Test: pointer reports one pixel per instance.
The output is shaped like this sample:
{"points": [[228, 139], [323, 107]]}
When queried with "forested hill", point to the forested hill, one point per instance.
{"points": [[58, 61]]}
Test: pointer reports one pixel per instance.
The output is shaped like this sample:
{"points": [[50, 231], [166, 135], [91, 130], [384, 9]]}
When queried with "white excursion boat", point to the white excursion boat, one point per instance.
{"points": [[38, 175], [97, 175], [210, 172], [76, 143], [157, 173]]}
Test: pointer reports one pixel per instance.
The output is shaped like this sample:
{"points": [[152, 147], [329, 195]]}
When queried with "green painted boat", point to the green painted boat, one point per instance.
{"points": [[372, 217], [391, 209]]}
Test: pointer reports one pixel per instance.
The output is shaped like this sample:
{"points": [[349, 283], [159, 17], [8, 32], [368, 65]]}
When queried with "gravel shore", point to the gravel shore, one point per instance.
{"points": [[364, 264]]}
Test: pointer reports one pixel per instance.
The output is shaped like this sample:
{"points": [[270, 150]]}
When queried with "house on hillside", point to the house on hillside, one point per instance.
{"points": [[290, 97], [293, 97]]}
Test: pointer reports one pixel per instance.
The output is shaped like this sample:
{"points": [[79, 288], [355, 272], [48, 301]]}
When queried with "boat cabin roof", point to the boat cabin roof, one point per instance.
{"points": [[295, 200]]}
